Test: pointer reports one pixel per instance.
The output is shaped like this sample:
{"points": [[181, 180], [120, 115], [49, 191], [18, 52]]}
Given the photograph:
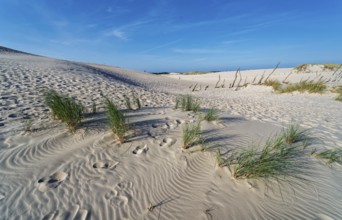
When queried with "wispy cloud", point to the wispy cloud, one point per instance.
{"points": [[91, 25], [196, 51], [65, 43], [117, 10], [118, 34], [230, 42], [136, 24], [161, 46], [109, 9], [265, 22], [233, 19], [122, 31], [60, 23], [72, 41]]}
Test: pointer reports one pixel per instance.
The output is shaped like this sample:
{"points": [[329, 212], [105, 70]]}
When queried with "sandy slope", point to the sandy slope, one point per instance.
{"points": [[52, 174]]}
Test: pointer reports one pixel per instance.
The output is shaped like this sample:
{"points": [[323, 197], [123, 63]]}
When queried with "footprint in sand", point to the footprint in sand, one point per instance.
{"points": [[191, 115], [159, 126], [139, 150], [156, 125], [157, 129], [120, 195], [165, 126], [173, 123], [116, 199], [73, 213], [167, 142], [179, 121], [106, 165], [161, 113], [53, 181]]}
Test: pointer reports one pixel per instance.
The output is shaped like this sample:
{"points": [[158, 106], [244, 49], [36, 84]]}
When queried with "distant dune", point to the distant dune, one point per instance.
{"points": [[8, 50]]}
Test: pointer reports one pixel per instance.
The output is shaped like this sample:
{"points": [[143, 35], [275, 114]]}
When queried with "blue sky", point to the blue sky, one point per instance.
{"points": [[176, 35]]}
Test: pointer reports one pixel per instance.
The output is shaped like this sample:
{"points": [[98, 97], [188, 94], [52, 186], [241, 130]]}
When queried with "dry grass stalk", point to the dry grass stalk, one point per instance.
{"points": [[216, 86], [236, 73], [272, 71]]}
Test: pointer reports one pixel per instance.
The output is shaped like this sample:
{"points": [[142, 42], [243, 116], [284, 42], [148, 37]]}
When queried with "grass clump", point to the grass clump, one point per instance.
{"points": [[304, 86], [188, 103], [117, 121], [330, 156], [194, 73], [281, 157], [311, 87], [293, 134], [65, 109], [211, 115], [302, 67], [338, 90], [275, 160], [331, 66], [276, 85], [192, 135], [326, 66]]}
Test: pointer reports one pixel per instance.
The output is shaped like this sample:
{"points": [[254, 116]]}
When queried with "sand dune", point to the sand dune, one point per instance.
{"points": [[50, 173]]}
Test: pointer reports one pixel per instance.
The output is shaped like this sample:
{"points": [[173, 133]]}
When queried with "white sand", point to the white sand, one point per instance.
{"points": [[52, 174]]}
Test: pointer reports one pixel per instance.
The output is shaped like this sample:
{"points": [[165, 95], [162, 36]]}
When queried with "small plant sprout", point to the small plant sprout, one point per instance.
{"points": [[93, 107], [192, 135], [211, 115], [188, 103], [177, 103], [137, 102], [117, 121], [221, 162], [128, 103], [27, 123], [330, 156], [65, 109], [292, 134]]}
